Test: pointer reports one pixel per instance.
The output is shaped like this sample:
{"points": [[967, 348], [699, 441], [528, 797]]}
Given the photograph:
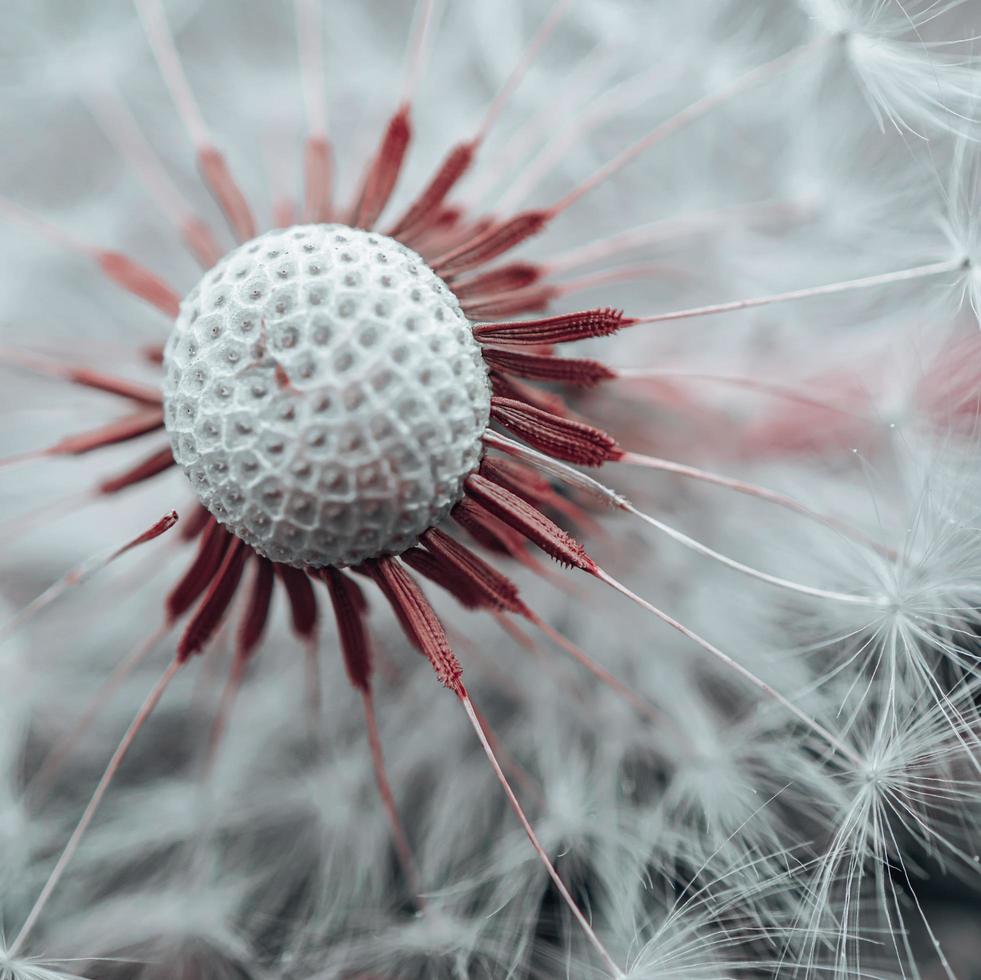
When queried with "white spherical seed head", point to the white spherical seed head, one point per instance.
{"points": [[325, 395]]}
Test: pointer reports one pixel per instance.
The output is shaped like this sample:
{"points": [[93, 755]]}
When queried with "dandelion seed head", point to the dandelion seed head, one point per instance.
{"points": [[325, 395], [717, 793]]}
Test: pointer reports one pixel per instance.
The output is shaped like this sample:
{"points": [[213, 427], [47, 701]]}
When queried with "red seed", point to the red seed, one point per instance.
{"points": [[153, 465], [199, 239], [445, 576], [284, 212], [215, 603], [511, 304], [140, 282], [116, 386], [506, 387], [535, 488], [517, 478], [533, 524], [303, 603], [451, 231], [231, 200], [506, 279], [427, 206], [562, 438], [144, 394], [154, 531], [380, 179], [122, 430], [490, 531], [257, 611], [318, 169], [540, 367], [561, 329], [432, 238], [417, 618], [496, 240], [211, 550], [195, 523], [496, 589], [349, 606]]}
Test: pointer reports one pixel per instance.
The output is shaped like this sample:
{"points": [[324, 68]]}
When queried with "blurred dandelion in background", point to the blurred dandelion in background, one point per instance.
{"points": [[327, 327]]}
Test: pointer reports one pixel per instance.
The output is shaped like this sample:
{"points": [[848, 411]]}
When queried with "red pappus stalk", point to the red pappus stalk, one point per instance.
{"points": [[476, 585], [350, 608], [81, 573]]}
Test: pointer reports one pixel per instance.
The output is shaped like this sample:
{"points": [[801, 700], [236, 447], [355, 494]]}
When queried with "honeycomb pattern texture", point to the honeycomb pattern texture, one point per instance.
{"points": [[325, 395]]}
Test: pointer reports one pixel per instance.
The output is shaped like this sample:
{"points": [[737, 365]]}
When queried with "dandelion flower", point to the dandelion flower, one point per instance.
{"points": [[712, 334]]}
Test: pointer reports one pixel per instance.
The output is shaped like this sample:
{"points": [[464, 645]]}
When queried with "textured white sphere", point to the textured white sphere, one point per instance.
{"points": [[325, 395]]}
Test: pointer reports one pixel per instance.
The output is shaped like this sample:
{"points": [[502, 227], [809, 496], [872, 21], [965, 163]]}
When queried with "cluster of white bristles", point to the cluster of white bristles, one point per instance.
{"points": [[812, 232]]}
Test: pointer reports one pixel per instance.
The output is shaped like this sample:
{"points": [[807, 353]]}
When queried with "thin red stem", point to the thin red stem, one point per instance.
{"points": [[832, 740], [382, 174], [399, 837], [682, 119], [753, 490], [418, 48], [86, 377], [866, 282], [538, 41], [75, 840], [49, 768], [560, 886], [120, 126], [83, 572], [216, 174], [640, 704]]}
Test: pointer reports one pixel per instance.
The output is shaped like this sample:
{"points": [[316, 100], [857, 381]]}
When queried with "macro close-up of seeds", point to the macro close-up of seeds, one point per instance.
{"points": [[490, 489]]}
